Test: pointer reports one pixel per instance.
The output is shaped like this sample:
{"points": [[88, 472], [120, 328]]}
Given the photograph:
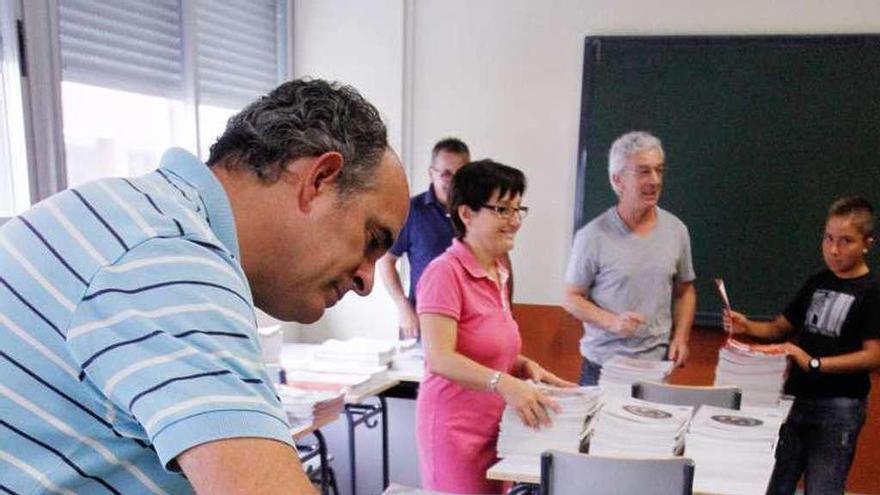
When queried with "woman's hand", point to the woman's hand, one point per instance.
{"points": [[530, 404], [531, 370]]}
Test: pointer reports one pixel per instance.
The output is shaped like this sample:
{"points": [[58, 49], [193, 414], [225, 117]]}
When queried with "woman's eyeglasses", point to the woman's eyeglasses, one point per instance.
{"points": [[507, 212]]}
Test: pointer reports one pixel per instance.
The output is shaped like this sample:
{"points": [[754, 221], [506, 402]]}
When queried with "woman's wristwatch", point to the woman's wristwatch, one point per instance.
{"points": [[493, 382], [815, 365]]}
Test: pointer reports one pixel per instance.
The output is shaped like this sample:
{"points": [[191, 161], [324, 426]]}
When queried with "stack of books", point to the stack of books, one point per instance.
{"points": [[638, 428], [759, 374], [620, 372], [733, 450], [577, 406], [305, 407], [409, 362], [342, 377], [366, 352]]}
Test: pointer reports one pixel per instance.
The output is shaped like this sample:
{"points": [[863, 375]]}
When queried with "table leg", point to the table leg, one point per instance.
{"points": [[357, 414]]}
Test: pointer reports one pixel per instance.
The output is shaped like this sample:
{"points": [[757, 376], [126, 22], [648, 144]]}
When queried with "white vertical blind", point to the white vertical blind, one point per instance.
{"points": [[238, 50], [134, 45], [137, 45]]}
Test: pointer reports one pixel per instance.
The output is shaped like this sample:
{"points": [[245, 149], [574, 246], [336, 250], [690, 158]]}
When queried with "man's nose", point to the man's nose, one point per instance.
{"points": [[363, 277]]}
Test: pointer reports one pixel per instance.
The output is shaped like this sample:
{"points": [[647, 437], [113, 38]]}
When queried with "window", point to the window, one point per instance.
{"points": [[139, 76], [14, 186], [240, 45]]}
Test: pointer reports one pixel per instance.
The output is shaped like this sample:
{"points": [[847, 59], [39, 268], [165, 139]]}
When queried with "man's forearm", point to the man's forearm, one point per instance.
{"points": [[684, 308], [393, 284], [585, 310], [245, 465]]}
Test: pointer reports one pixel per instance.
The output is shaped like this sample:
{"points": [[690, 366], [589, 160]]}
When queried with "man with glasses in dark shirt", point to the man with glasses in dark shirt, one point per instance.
{"points": [[427, 233]]}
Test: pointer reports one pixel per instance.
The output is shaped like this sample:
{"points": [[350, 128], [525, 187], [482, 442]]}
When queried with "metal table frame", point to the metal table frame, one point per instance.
{"points": [[365, 414]]}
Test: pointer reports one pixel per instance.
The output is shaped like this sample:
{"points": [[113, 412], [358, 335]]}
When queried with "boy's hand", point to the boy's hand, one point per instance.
{"points": [[798, 355], [734, 322]]}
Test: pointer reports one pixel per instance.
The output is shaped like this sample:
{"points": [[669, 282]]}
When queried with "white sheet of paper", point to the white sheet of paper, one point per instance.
{"points": [[721, 290]]}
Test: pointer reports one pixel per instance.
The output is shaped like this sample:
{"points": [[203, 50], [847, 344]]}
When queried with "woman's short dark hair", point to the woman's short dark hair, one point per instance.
{"points": [[475, 183], [304, 118]]}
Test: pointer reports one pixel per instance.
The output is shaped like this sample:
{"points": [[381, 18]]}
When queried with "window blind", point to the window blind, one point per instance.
{"points": [[238, 50], [134, 45]]}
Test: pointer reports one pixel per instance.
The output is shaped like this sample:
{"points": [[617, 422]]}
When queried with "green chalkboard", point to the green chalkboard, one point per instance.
{"points": [[761, 135]]}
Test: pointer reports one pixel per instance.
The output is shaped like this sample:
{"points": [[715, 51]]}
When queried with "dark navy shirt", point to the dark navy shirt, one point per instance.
{"points": [[426, 235]]}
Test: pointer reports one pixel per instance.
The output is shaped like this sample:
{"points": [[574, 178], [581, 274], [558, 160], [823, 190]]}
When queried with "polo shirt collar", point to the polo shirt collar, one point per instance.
{"points": [[469, 261], [189, 168], [431, 197]]}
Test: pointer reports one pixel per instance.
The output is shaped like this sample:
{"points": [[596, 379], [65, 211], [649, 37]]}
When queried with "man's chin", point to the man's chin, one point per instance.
{"points": [[298, 315]]}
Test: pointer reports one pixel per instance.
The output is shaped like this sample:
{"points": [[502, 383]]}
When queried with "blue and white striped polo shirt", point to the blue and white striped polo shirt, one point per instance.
{"points": [[127, 335]]}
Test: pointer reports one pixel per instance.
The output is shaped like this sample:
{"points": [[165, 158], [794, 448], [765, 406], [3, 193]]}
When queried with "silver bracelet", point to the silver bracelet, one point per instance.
{"points": [[493, 382]]}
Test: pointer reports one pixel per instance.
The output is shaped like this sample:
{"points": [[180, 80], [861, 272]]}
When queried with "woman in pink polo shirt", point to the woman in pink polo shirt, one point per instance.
{"points": [[472, 344]]}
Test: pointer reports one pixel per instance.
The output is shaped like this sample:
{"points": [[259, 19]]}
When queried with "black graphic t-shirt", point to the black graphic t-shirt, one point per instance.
{"points": [[833, 316]]}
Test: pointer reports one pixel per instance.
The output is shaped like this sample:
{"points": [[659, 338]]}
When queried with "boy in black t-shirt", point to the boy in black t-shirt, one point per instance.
{"points": [[835, 322]]}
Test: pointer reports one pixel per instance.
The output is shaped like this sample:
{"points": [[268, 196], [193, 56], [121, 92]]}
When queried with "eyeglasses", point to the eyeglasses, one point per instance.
{"points": [[507, 212], [443, 174]]}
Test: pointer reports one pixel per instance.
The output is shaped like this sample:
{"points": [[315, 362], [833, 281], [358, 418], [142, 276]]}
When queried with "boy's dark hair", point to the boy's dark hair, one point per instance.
{"points": [[860, 211], [304, 118], [475, 183], [450, 145]]}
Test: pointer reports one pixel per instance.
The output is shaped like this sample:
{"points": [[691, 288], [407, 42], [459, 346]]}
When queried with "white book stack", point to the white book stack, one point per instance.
{"points": [[361, 351], [577, 405], [638, 428], [620, 372], [733, 450], [409, 362], [304, 407], [342, 377], [759, 375]]}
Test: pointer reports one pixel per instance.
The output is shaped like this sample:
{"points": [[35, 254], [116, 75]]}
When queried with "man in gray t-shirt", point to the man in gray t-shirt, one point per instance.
{"points": [[630, 275]]}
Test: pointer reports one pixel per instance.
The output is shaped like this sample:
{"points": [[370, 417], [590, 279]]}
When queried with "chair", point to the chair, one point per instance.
{"points": [[685, 395], [566, 473]]}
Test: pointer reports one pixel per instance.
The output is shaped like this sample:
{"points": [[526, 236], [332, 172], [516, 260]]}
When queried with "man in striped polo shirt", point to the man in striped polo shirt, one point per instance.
{"points": [[129, 360]]}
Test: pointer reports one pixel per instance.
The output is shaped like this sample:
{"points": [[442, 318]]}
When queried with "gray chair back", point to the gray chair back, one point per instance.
{"points": [[684, 395], [566, 473]]}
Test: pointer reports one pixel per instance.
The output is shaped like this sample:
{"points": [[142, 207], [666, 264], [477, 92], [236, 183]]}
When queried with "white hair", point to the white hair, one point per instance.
{"points": [[627, 145]]}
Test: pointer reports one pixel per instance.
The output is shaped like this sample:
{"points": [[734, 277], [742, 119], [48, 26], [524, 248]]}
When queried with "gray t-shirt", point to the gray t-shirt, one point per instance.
{"points": [[622, 271]]}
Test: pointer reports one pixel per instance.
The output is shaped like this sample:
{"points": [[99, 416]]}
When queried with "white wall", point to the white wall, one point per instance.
{"points": [[505, 75], [358, 43]]}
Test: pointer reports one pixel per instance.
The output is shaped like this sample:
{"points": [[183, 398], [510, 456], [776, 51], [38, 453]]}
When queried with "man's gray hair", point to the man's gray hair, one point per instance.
{"points": [[627, 145], [305, 118]]}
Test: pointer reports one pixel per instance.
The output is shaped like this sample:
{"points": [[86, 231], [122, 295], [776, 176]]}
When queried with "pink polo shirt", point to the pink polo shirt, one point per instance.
{"points": [[457, 427]]}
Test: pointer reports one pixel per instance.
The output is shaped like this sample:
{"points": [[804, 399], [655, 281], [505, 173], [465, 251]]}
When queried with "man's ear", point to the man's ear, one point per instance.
{"points": [[317, 176]]}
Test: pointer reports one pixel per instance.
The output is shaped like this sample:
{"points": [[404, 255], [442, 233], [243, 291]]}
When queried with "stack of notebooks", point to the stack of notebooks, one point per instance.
{"points": [[304, 407], [638, 428], [409, 362], [340, 377], [733, 450], [620, 372], [760, 375], [577, 406], [366, 352], [350, 366]]}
